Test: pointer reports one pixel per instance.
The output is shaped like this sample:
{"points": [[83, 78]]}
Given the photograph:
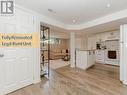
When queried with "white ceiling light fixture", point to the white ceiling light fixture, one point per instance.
{"points": [[73, 20], [51, 11], [108, 5]]}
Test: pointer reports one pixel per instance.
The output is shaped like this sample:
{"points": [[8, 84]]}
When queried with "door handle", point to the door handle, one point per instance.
{"points": [[1, 55]]}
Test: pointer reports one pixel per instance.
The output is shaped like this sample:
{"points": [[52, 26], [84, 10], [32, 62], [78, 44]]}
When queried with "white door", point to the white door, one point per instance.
{"points": [[123, 53], [16, 64]]}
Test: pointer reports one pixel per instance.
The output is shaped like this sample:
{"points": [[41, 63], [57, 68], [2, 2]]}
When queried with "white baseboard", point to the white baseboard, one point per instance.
{"points": [[125, 82], [72, 66], [36, 81], [2, 93]]}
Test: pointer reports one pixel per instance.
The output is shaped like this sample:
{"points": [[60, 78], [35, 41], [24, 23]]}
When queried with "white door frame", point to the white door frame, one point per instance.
{"points": [[123, 54], [36, 56]]}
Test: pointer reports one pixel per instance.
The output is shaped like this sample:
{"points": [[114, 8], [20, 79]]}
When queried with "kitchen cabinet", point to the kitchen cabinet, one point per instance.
{"points": [[100, 37], [93, 40], [100, 56], [92, 43], [114, 35], [84, 59], [78, 43]]}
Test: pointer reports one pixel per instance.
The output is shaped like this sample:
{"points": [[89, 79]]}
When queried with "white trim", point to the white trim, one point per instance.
{"points": [[43, 18], [37, 81], [72, 49], [36, 67], [111, 17], [124, 82]]}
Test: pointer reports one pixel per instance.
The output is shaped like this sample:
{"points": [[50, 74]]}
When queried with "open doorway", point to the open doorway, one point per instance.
{"points": [[54, 49]]}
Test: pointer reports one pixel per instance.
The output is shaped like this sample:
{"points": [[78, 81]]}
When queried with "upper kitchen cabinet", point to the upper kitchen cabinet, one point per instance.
{"points": [[114, 35], [78, 43], [91, 43], [100, 37]]}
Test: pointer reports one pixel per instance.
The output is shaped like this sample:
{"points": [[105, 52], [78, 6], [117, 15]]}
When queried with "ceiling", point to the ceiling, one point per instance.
{"points": [[66, 11], [106, 27], [110, 26], [57, 32]]}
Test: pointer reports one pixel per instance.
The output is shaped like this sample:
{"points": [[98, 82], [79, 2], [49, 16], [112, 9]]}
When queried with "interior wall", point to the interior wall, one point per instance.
{"points": [[81, 43], [59, 34], [85, 42], [64, 44], [68, 43], [64, 39]]}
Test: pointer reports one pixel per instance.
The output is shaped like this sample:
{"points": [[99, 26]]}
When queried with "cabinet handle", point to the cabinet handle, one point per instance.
{"points": [[93, 52], [89, 53]]}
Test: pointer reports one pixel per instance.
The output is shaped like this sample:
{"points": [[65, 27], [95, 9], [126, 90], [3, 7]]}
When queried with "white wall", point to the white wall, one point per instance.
{"points": [[81, 43], [72, 49], [59, 34]]}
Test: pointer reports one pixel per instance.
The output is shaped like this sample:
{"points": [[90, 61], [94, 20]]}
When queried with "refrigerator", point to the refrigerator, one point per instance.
{"points": [[123, 53]]}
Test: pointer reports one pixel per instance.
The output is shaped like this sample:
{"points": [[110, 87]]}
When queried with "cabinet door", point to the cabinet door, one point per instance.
{"points": [[91, 59], [94, 43], [99, 56], [112, 35], [98, 38], [91, 43], [78, 43], [81, 59]]}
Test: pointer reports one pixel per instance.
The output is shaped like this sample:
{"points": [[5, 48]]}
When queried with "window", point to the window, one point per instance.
{"points": [[53, 41]]}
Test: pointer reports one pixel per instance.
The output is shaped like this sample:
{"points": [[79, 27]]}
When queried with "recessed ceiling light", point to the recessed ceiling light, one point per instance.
{"points": [[50, 10], [73, 20], [108, 5]]}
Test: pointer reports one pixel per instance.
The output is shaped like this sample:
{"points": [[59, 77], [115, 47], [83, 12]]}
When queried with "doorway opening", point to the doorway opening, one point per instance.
{"points": [[54, 49]]}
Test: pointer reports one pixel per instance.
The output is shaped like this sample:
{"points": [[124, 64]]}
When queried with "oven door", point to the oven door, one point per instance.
{"points": [[112, 57]]}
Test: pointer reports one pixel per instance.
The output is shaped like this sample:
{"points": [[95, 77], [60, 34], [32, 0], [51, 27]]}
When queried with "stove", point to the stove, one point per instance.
{"points": [[112, 57]]}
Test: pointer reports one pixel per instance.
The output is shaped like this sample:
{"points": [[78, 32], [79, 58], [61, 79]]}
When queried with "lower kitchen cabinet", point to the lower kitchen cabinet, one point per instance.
{"points": [[85, 59], [100, 56]]}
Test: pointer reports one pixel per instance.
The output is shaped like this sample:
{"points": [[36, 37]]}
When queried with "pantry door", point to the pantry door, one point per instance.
{"points": [[16, 64]]}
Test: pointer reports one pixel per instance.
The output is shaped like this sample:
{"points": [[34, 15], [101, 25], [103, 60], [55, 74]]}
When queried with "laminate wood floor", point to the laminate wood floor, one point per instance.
{"points": [[98, 80]]}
